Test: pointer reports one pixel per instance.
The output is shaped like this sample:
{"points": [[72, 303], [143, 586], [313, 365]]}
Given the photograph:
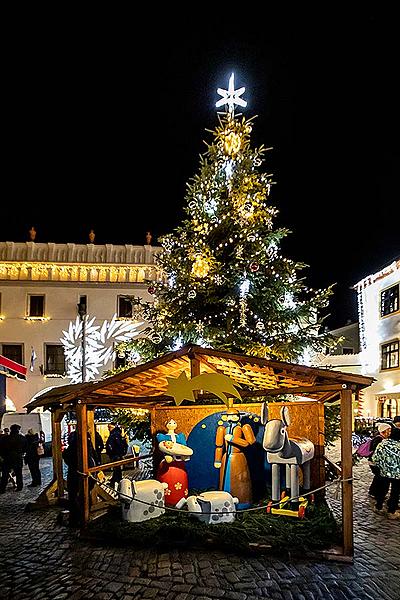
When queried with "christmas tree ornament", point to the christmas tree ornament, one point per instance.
{"points": [[192, 294], [254, 267], [200, 267], [151, 289]]}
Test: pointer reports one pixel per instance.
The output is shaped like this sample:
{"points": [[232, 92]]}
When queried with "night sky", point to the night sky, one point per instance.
{"points": [[104, 118]]}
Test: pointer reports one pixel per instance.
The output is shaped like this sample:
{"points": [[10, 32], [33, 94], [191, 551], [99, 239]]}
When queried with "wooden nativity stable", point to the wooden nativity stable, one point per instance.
{"points": [[145, 387]]}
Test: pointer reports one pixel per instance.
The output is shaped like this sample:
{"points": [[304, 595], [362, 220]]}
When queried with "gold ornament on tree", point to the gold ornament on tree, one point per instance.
{"points": [[201, 266], [232, 143]]}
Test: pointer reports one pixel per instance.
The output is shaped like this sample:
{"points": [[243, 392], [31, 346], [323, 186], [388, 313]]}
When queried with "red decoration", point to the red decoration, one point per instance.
{"points": [[254, 267], [151, 290], [174, 474]]}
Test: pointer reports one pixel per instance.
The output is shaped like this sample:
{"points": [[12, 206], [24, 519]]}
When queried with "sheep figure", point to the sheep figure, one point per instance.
{"points": [[141, 500], [221, 504]]}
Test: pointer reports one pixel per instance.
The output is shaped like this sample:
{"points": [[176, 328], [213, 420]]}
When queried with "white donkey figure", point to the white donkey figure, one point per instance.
{"points": [[282, 450]]}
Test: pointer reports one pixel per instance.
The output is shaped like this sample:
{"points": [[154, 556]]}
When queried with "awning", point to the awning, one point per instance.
{"points": [[10, 368], [390, 393]]}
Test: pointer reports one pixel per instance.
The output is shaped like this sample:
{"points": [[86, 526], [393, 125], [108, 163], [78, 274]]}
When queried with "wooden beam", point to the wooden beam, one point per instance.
{"points": [[83, 465], [299, 389], [117, 463], [58, 473], [91, 424], [346, 418], [194, 371]]}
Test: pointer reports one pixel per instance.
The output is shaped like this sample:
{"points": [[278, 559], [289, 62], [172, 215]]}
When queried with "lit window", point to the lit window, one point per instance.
{"points": [[390, 300], [12, 352], [35, 306], [55, 359], [390, 355]]}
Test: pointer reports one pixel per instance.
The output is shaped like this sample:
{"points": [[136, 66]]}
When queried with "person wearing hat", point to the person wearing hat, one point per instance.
{"points": [[32, 457], [12, 450], [387, 458]]}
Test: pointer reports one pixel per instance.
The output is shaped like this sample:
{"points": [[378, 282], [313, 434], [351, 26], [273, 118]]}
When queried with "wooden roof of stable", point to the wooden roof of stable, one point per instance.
{"points": [[145, 386]]}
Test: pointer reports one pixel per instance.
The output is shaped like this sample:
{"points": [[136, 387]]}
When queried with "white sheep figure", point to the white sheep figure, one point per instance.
{"points": [[150, 491], [221, 504]]}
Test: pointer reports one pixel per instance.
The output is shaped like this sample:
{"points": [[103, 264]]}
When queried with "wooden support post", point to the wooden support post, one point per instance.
{"points": [[91, 425], [194, 371], [82, 431], [58, 474], [346, 414]]}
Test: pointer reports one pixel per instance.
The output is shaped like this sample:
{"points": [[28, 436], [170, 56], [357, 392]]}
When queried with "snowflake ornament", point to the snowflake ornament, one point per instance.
{"points": [[99, 344]]}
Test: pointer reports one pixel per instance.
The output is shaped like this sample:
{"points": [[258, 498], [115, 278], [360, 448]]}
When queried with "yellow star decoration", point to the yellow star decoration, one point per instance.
{"points": [[180, 389], [218, 384]]}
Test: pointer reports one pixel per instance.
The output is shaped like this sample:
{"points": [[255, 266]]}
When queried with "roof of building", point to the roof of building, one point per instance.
{"points": [[145, 386]]}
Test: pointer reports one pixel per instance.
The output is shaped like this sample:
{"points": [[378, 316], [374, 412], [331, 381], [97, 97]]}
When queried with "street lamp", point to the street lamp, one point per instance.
{"points": [[82, 314]]}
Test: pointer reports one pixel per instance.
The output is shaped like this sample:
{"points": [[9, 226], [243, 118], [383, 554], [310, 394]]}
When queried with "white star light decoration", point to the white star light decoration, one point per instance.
{"points": [[230, 97], [99, 342]]}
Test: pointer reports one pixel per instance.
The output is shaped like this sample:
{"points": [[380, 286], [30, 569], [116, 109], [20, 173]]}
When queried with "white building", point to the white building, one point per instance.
{"points": [[379, 339], [379, 322], [41, 286]]}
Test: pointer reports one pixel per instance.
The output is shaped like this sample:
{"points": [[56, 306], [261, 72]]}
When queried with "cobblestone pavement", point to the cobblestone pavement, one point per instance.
{"points": [[40, 560]]}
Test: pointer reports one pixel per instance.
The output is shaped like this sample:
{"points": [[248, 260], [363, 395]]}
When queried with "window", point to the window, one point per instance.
{"points": [[55, 360], [390, 300], [125, 306], [390, 355], [120, 361], [13, 352], [83, 301], [35, 306]]}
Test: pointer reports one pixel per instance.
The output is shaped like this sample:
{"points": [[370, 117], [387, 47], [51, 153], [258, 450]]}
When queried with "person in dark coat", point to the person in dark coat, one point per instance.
{"points": [[70, 457], [99, 446], [12, 450], [32, 457], [116, 448]]}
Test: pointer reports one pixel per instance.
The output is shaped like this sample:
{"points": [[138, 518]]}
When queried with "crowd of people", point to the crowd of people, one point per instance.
{"points": [[17, 449], [384, 461]]}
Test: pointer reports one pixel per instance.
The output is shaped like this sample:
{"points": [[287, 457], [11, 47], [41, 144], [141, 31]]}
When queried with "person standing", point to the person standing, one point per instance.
{"points": [[387, 458], [98, 446], [12, 450], [116, 448], [70, 457], [384, 430], [32, 457]]}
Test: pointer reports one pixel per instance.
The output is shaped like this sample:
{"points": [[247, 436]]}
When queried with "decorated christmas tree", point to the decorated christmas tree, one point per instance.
{"points": [[226, 284]]}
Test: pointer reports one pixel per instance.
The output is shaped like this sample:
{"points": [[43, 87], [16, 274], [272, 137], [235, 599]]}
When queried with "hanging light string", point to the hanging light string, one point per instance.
{"points": [[106, 487]]}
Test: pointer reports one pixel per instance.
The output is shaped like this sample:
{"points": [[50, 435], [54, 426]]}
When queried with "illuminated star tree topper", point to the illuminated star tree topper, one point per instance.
{"points": [[230, 97]]}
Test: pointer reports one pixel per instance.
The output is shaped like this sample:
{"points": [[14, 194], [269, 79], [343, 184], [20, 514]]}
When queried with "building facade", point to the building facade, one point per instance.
{"points": [[379, 338], [44, 287], [379, 323]]}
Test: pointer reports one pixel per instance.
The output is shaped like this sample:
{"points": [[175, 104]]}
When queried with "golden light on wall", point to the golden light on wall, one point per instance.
{"points": [[29, 271]]}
